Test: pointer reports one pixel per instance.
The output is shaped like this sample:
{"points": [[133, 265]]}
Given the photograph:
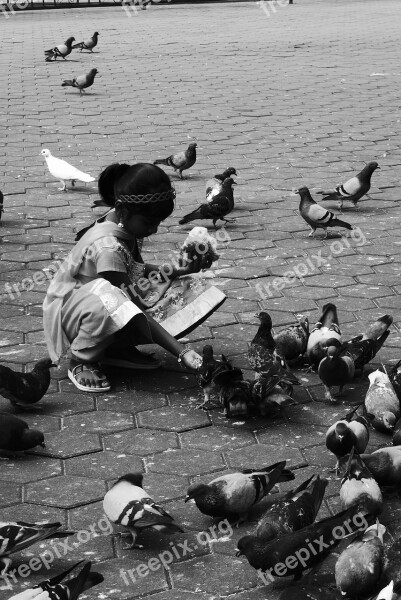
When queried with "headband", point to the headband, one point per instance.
{"points": [[147, 198]]}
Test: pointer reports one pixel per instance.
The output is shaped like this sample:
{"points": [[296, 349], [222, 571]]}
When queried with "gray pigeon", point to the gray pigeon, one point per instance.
{"points": [[180, 162], [62, 50], [354, 188], [88, 44], [82, 81], [316, 216]]}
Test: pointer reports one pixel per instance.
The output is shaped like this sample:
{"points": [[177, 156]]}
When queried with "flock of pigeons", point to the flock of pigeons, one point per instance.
{"points": [[288, 525]]}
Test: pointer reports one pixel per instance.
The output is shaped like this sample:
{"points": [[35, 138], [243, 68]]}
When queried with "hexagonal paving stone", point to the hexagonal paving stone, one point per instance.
{"points": [[263, 455], [217, 438], [65, 491], [10, 494], [162, 487], [103, 465], [43, 423], [137, 401], [62, 404], [122, 581], [293, 435], [204, 574], [34, 513], [185, 462], [173, 419], [66, 443], [141, 441], [98, 422], [317, 413], [26, 468]]}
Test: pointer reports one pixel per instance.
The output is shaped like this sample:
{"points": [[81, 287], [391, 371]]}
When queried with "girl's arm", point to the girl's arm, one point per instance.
{"points": [[159, 335]]}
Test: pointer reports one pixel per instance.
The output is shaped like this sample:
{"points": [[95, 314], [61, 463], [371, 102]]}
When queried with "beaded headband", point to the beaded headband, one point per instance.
{"points": [[147, 198]]}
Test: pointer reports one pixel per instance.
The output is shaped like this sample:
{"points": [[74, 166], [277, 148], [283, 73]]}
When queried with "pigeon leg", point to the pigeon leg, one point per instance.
{"points": [[73, 182], [339, 393], [328, 395], [325, 234], [133, 534], [64, 188], [340, 206], [7, 564], [356, 205], [312, 231]]}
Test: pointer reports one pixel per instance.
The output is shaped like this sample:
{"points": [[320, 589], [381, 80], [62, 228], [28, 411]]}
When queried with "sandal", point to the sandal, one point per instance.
{"points": [[92, 368], [133, 359]]}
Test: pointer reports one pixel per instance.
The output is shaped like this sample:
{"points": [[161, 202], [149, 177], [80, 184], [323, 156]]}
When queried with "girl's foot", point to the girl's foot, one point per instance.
{"points": [[88, 377]]}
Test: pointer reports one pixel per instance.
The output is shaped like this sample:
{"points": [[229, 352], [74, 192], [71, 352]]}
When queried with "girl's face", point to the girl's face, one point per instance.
{"points": [[140, 227]]}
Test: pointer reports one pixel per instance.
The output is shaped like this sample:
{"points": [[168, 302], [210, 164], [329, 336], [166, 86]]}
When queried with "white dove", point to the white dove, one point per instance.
{"points": [[62, 170]]}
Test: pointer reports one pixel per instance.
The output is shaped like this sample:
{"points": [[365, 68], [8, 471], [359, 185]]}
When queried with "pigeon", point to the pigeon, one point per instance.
{"points": [[235, 393], [296, 510], [385, 465], [62, 170], [291, 342], [82, 81], [354, 188], [359, 566], [270, 394], [1, 204], [262, 355], [62, 50], [15, 435], [359, 487], [381, 401], [336, 368], [392, 565], [24, 389], [206, 372], [180, 162], [16, 536], [88, 44], [350, 432], [325, 329], [127, 504], [214, 185], [394, 375], [234, 494], [221, 205], [54, 589], [316, 216], [306, 548]]}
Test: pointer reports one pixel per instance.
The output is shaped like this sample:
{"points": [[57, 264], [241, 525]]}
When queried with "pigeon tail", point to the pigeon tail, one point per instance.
{"points": [[329, 315], [188, 218], [339, 223], [379, 328], [162, 161], [67, 82]]}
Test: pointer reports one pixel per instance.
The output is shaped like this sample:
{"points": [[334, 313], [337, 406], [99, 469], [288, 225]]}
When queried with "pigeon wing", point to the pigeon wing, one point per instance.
{"points": [[60, 169], [178, 160], [318, 214], [350, 187]]}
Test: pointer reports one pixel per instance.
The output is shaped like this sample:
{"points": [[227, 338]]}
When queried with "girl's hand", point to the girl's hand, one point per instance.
{"points": [[192, 360]]}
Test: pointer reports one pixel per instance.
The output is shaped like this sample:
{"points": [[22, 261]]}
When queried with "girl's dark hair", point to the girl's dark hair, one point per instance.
{"points": [[140, 179]]}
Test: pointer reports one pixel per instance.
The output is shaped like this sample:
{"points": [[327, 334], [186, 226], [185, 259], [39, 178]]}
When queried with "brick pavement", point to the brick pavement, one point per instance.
{"points": [[300, 97]]}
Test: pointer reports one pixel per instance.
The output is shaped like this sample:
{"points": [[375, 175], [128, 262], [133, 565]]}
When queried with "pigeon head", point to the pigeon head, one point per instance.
{"points": [[45, 152], [69, 41], [372, 166], [341, 430], [245, 544], [389, 420], [95, 34], [32, 438], [229, 171], [94, 71], [302, 191], [196, 490], [207, 351], [228, 182], [265, 319], [132, 478], [44, 363], [192, 146]]}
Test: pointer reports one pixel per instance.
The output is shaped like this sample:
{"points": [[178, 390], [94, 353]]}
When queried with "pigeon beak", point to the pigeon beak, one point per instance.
{"points": [[187, 498], [238, 553], [234, 183]]}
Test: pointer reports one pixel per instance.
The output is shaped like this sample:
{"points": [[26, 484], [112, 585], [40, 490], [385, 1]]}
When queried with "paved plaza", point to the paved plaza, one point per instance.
{"points": [[290, 96]]}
